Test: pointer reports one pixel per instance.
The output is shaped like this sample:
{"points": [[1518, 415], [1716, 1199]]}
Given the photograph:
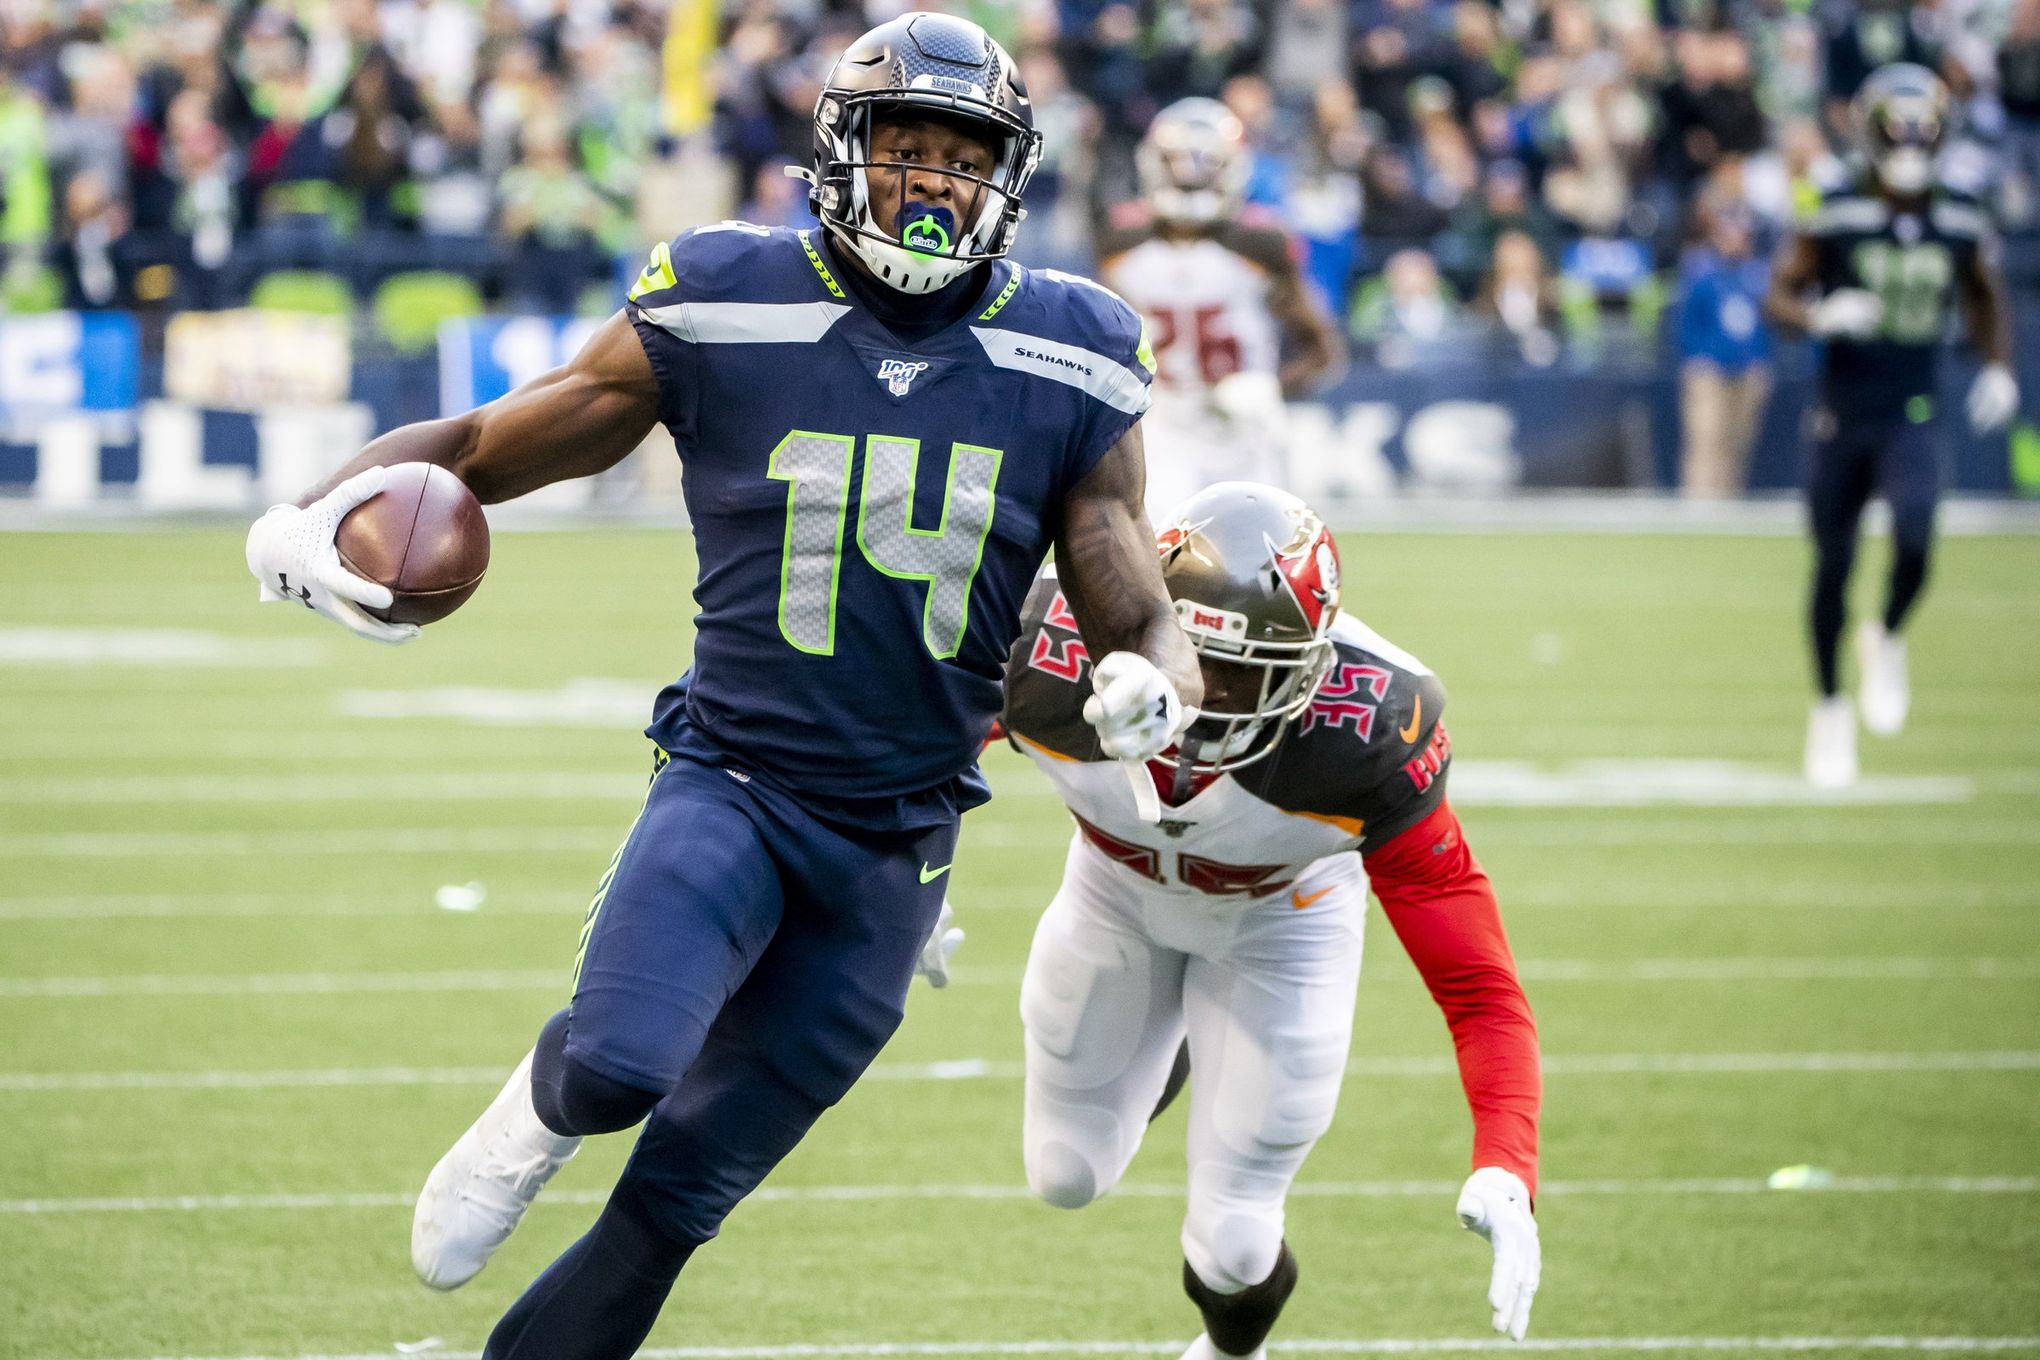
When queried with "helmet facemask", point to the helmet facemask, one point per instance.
{"points": [[1902, 117], [1253, 691], [1193, 165], [1254, 577], [918, 248]]}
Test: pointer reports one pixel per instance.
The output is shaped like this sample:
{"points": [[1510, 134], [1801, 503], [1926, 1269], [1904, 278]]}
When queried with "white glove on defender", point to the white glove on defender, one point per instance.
{"points": [[1496, 1204], [1993, 399], [1136, 709], [943, 941], [291, 553], [1848, 314]]}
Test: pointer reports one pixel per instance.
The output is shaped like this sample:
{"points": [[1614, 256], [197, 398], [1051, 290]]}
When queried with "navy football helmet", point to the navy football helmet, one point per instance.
{"points": [[942, 68]]}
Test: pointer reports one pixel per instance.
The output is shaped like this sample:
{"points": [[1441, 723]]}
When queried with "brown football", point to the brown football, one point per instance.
{"points": [[424, 537]]}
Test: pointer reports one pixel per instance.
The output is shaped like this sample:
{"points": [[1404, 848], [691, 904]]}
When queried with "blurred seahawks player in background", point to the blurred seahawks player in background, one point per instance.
{"points": [[1875, 275], [883, 428], [1226, 901], [1234, 327]]}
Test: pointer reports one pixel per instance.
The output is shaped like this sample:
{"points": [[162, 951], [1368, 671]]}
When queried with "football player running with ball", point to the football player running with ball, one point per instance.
{"points": [[1225, 300], [1225, 900], [1874, 275], [884, 427]]}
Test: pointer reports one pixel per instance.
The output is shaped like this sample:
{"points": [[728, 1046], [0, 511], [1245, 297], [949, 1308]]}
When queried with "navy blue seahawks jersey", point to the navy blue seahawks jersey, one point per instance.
{"points": [[868, 513], [1913, 262]]}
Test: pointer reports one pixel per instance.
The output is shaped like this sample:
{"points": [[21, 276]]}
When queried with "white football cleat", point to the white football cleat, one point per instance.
{"points": [[1884, 691], [475, 1197], [1831, 743], [1202, 1349]]}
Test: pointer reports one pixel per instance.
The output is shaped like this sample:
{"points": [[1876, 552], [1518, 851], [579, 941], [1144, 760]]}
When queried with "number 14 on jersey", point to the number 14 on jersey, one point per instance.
{"points": [[817, 469]]}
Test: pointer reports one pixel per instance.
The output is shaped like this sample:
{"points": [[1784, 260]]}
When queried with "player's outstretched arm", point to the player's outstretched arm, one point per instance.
{"points": [[576, 420], [1148, 684], [1987, 311], [1442, 907], [580, 419]]}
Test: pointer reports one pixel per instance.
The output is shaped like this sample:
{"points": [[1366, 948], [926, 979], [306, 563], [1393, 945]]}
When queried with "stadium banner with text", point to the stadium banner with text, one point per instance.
{"points": [[1485, 429], [483, 358], [242, 402], [249, 360], [62, 363]]}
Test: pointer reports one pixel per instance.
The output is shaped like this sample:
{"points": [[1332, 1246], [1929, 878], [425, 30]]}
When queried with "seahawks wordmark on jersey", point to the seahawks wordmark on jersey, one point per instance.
{"points": [[868, 512]]}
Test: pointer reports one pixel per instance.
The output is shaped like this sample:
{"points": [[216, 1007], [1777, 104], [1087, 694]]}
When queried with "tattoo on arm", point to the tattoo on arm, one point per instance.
{"points": [[1111, 575]]}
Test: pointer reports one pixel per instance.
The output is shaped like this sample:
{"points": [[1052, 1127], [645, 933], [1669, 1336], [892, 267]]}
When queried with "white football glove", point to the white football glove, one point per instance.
{"points": [[1993, 398], [1136, 708], [291, 553], [943, 941], [1848, 314], [1247, 399], [1496, 1204]]}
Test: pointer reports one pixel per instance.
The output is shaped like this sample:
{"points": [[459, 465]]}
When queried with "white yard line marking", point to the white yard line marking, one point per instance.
{"points": [[152, 647], [1871, 968], [1525, 828], [983, 1069], [321, 788], [1491, 783], [991, 896], [1549, 1345], [569, 901], [281, 984], [585, 701], [814, 1194], [1604, 783], [1770, 895], [389, 840], [1759, 969], [1552, 971], [1479, 1345]]}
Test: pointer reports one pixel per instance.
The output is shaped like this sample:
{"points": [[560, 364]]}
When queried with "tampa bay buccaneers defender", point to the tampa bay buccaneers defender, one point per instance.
{"points": [[1224, 300], [1887, 256], [1317, 770]]}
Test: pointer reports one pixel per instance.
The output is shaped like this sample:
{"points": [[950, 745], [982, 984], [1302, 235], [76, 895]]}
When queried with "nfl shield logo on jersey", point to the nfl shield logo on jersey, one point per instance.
{"points": [[898, 374]]}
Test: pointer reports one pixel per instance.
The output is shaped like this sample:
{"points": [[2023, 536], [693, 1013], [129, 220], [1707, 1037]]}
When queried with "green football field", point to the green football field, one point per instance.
{"points": [[237, 1024]]}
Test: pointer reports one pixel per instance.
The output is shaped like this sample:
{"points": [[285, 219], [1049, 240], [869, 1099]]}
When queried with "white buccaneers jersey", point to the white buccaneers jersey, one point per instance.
{"points": [[1205, 303], [1365, 762], [1205, 300]]}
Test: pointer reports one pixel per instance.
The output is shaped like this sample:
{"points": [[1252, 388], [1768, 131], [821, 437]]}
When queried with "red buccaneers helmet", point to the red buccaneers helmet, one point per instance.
{"points": [[1193, 164], [1254, 574]]}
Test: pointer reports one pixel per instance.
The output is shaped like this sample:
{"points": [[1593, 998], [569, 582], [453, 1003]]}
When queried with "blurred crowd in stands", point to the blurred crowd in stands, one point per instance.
{"points": [[1562, 171]]}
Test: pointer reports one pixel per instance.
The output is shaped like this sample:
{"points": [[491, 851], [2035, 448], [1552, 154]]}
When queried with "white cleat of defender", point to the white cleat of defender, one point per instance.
{"points": [[475, 1197], [1831, 743], [1885, 693]]}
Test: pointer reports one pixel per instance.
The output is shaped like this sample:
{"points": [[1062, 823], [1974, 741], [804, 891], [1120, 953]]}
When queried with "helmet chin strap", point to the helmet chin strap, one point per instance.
{"points": [[909, 271], [1186, 761]]}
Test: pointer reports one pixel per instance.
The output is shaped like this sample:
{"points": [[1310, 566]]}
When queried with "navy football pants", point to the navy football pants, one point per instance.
{"points": [[1858, 459], [743, 964]]}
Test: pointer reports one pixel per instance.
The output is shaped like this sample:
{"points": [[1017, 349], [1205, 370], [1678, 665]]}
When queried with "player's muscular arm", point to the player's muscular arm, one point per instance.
{"points": [[1793, 274], [575, 421], [1315, 347], [1986, 309], [1110, 574]]}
